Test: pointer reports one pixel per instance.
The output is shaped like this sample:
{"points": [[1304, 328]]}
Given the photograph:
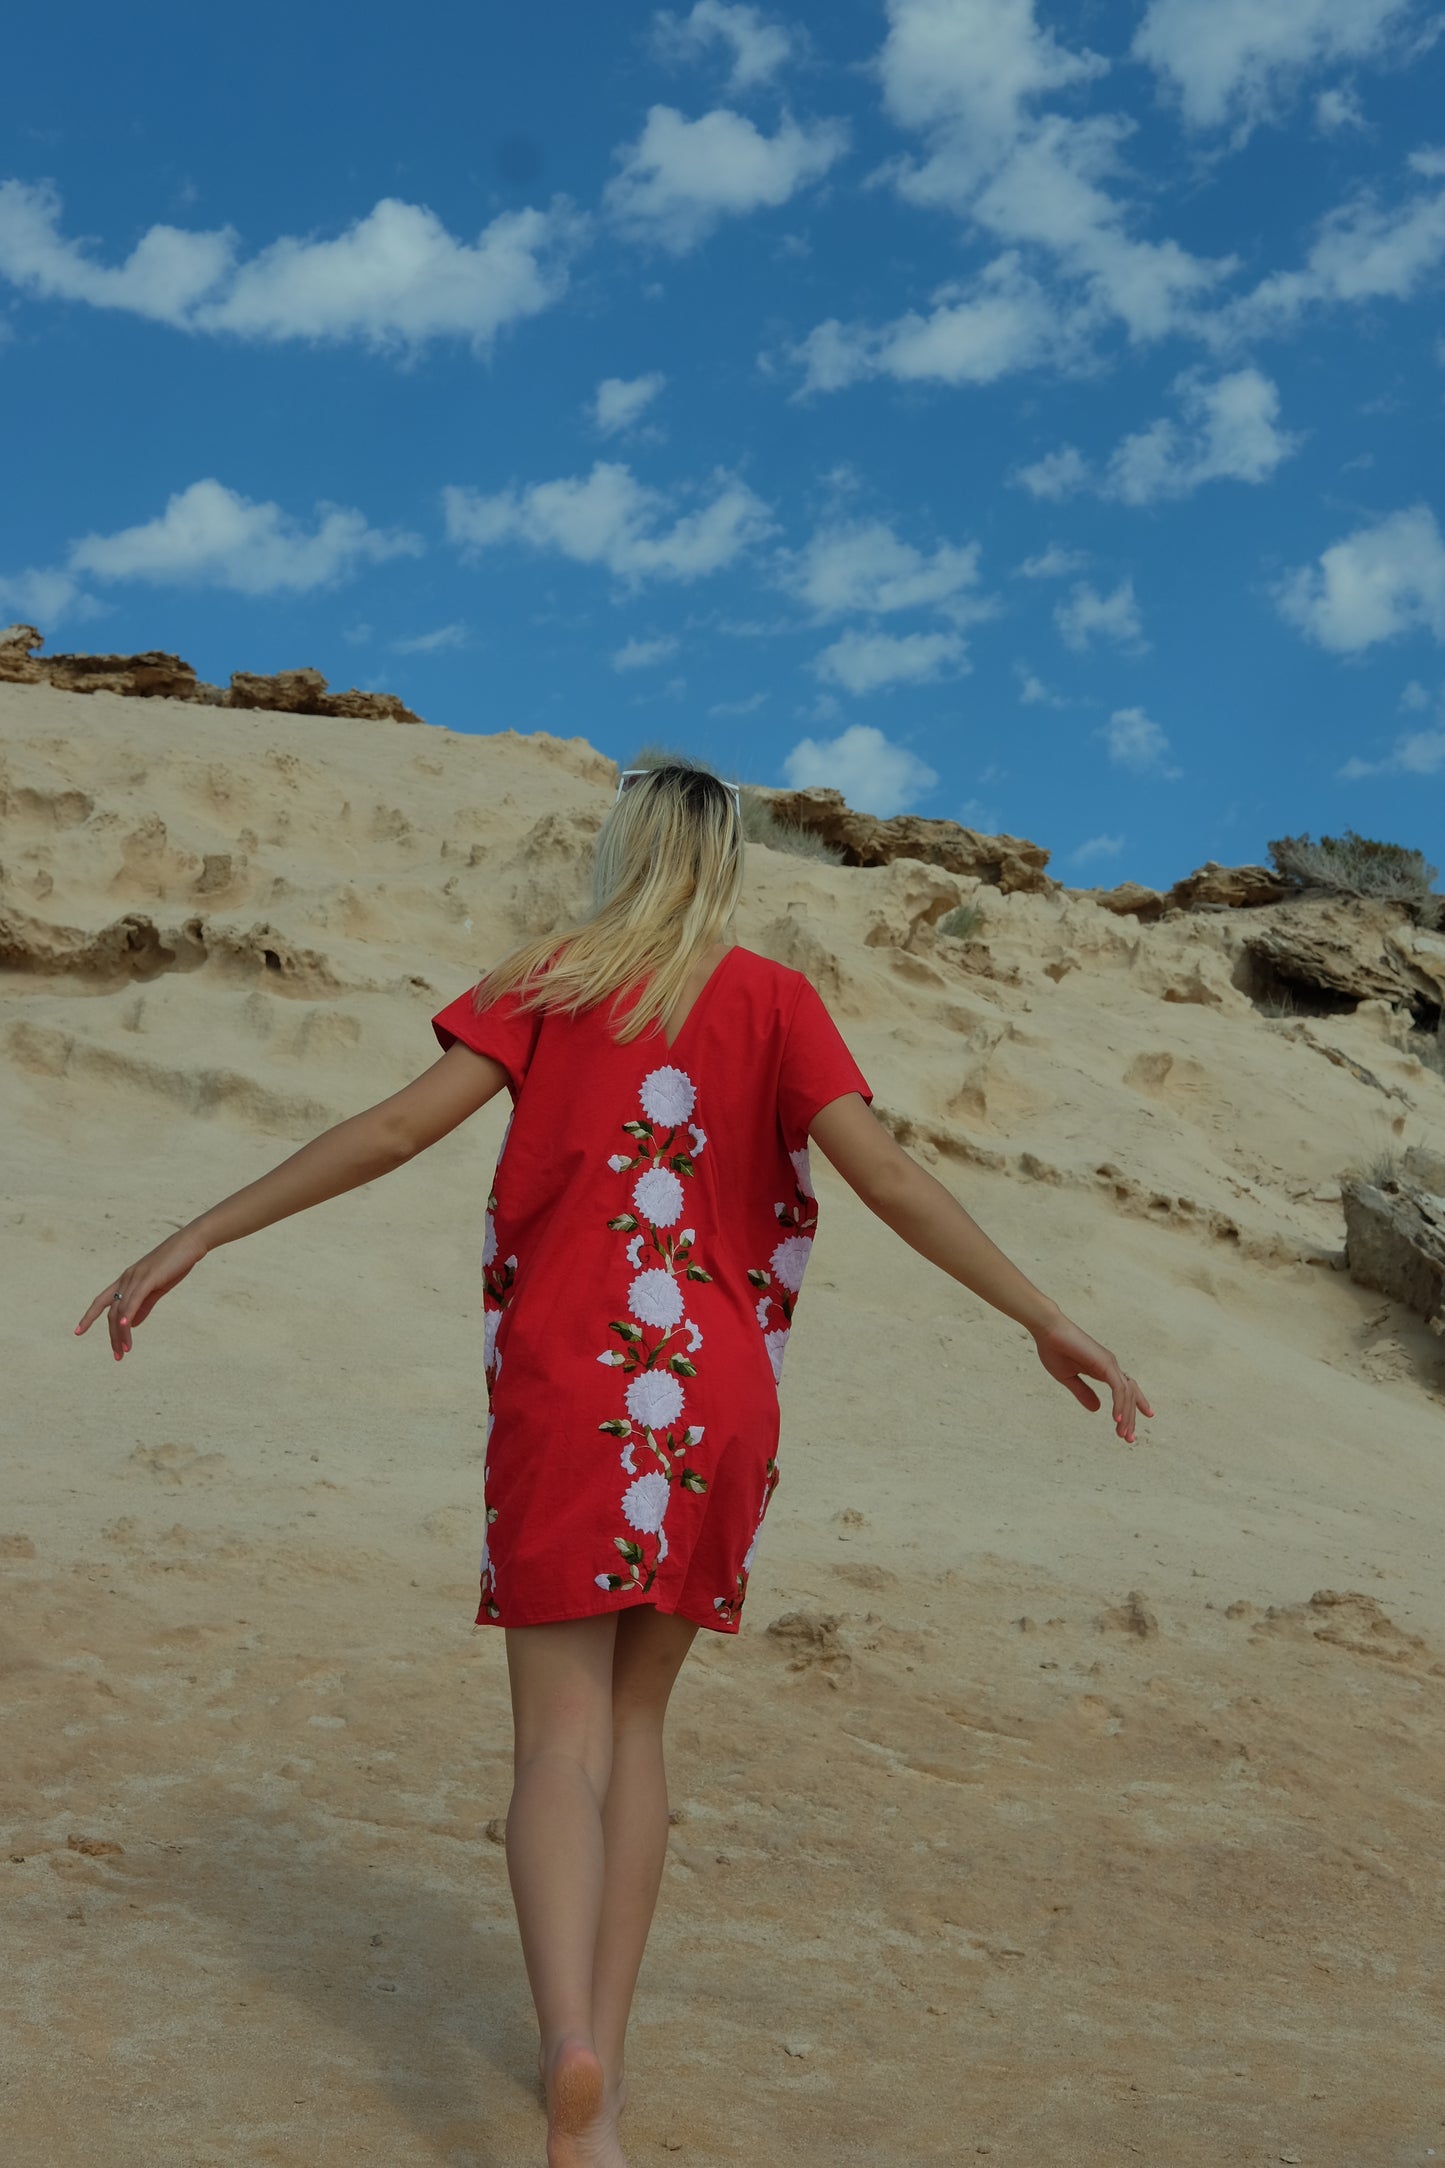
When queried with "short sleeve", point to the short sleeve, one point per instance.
{"points": [[816, 1067], [503, 1029]]}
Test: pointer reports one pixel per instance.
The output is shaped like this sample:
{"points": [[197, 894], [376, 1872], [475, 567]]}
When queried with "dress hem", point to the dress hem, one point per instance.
{"points": [[600, 1610]]}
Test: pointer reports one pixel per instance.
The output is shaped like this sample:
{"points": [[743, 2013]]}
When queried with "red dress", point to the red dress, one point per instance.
{"points": [[646, 1234]]}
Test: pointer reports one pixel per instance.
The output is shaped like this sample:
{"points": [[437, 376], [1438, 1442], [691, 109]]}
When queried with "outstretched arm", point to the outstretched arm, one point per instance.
{"points": [[907, 1198], [357, 1150]]}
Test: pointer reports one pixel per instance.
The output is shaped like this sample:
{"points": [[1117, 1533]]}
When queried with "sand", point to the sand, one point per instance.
{"points": [[1091, 1813]]}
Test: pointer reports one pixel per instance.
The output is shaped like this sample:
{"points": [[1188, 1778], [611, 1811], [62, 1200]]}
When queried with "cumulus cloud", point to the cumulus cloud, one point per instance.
{"points": [[1033, 692], [1237, 60], [973, 333], [394, 279], [1375, 584], [1418, 752], [635, 654], [862, 565], [1087, 615], [682, 178], [1053, 563], [1365, 250], [620, 401], [609, 518], [1134, 742], [864, 662], [1229, 431], [873, 773], [758, 48], [1337, 109], [1095, 848], [42, 597], [431, 643], [211, 536]]}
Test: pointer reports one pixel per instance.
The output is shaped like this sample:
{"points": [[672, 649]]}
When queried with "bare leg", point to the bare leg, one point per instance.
{"points": [[561, 1681], [649, 1653]]}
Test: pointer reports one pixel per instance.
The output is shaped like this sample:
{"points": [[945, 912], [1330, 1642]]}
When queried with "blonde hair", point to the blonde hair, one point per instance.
{"points": [[666, 879]]}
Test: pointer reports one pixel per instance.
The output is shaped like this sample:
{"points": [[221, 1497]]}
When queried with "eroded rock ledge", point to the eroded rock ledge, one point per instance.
{"points": [[157, 676], [1005, 862]]}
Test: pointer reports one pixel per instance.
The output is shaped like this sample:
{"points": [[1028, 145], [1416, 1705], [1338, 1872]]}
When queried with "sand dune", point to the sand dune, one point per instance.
{"points": [[1083, 1807]]}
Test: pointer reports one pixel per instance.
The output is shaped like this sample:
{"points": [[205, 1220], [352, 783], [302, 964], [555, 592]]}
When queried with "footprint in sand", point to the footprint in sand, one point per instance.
{"points": [[178, 1463]]}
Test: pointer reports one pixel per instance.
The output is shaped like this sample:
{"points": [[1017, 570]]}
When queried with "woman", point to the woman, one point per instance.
{"points": [[645, 1238]]}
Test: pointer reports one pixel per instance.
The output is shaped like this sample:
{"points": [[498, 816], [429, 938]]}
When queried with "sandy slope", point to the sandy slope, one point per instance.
{"points": [[1000, 1863]]}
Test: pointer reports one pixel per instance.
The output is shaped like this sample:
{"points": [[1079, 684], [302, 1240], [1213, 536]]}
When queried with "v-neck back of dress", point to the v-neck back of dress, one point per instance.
{"points": [[696, 1003]]}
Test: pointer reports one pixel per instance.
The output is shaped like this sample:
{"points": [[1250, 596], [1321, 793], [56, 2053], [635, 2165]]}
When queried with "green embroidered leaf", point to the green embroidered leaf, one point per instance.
{"points": [[691, 1480], [631, 1551], [614, 1580], [682, 1164], [758, 1277], [695, 1272], [682, 1366], [638, 1129], [491, 1515], [615, 1425], [628, 1332], [624, 1223]]}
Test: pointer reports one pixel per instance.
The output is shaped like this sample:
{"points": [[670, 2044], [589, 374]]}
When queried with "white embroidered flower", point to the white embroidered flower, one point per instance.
{"points": [[661, 1546], [486, 1559], [634, 1251], [491, 1418], [628, 1463], [790, 1260], [694, 1434], [699, 1138], [655, 1298], [645, 1501], [658, 1196], [602, 1580], [689, 1234], [694, 1336], [668, 1095], [489, 1238], [654, 1399], [763, 1302], [749, 1552], [618, 1161], [802, 1167], [775, 1343], [491, 1319]]}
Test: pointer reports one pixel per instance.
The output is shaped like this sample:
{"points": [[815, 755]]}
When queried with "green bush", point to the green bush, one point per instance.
{"points": [[963, 922], [1354, 865]]}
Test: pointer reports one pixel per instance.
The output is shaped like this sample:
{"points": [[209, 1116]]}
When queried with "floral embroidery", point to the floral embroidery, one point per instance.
{"points": [[654, 1369], [789, 1261], [488, 1564], [497, 1286], [728, 1607]]}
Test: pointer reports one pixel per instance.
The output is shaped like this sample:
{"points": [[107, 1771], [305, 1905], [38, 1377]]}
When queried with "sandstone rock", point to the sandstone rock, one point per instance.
{"points": [[152, 676], [1426, 1167], [1395, 1243], [1227, 888], [1005, 862], [1130, 899], [1347, 951], [303, 692]]}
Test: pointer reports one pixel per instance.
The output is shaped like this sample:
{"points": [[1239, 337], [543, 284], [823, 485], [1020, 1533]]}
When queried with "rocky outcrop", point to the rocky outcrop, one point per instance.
{"points": [[1395, 1243], [1130, 899], [152, 676], [155, 676], [1006, 862], [1211, 887], [1346, 951]]}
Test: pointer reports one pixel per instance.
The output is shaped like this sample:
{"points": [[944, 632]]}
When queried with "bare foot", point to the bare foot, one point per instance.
{"points": [[617, 2092], [581, 2115]]}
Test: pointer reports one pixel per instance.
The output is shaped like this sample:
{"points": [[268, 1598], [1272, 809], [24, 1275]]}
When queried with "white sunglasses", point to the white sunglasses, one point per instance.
{"points": [[630, 775]]}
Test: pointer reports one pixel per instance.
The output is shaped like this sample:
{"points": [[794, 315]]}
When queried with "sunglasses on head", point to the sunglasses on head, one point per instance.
{"points": [[630, 775]]}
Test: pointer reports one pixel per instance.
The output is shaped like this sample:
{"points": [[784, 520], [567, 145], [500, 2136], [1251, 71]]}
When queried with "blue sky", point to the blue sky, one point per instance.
{"points": [[1028, 415]]}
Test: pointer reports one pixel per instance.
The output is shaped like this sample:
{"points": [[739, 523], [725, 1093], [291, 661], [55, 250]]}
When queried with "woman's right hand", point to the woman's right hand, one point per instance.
{"points": [[129, 1300], [1070, 1355]]}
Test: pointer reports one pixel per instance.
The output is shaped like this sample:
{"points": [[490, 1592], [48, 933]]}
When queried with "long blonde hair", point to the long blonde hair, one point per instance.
{"points": [[666, 879]]}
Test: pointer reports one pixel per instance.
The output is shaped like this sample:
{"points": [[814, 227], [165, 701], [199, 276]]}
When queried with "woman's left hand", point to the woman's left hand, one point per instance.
{"points": [[128, 1301]]}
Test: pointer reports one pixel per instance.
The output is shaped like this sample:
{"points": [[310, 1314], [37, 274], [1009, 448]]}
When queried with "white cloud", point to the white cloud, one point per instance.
{"points": [[862, 565], [974, 333], [747, 706], [863, 662], [1058, 474], [1132, 741], [1096, 847], [1338, 109], [1414, 697], [394, 279], [210, 536], [638, 654], [1419, 752], [1033, 692], [874, 775], [1088, 615], [42, 597], [1236, 60], [431, 643], [1365, 250], [682, 178], [1377, 583], [1054, 563], [619, 401], [759, 48], [1229, 432], [609, 518]]}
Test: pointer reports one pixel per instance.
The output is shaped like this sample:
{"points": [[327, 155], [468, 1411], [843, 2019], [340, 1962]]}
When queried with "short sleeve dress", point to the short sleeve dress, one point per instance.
{"points": [[646, 1234]]}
